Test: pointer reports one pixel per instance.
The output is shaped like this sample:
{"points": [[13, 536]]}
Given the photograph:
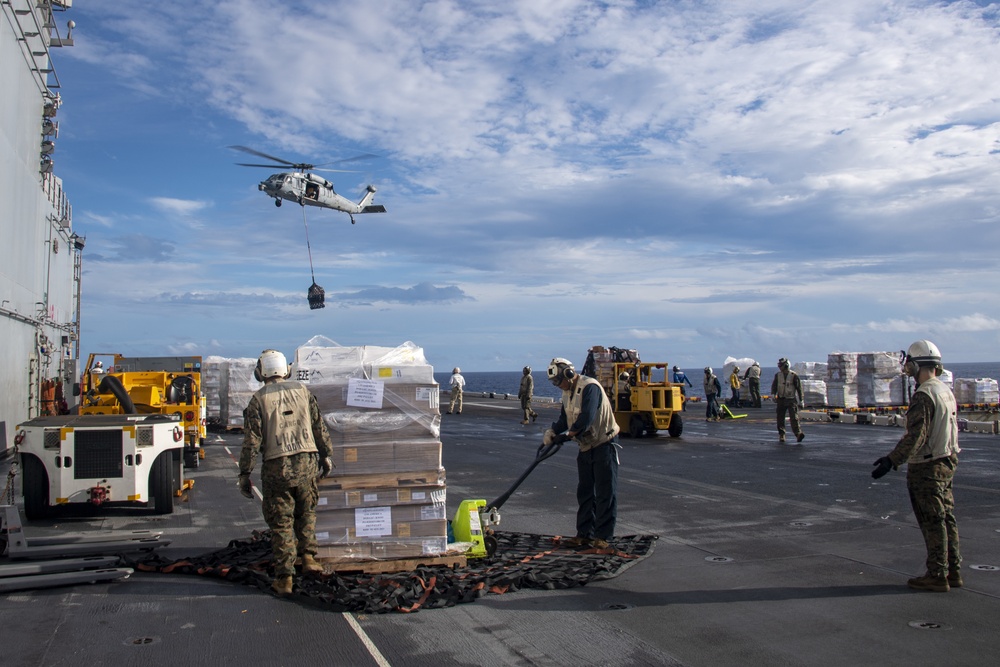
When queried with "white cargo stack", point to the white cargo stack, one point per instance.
{"points": [[236, 386], [813, 376], [386, 497], [975, 391], [880, 379], [211, 381], [841, 380]]}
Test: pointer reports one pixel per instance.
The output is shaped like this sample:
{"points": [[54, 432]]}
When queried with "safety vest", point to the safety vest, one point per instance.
{"points": [[287, 425], [754, 372], [603, 428], [786, 385], [711, 385], [942, 438]]}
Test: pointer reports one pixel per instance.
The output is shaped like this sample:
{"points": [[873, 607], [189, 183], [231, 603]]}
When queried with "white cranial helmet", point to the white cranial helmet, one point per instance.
{"points": [[456, 369], [560, 369], [922, 354], [271, 363]]}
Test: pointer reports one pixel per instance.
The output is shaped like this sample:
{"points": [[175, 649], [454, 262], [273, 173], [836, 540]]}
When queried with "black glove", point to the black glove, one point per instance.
{"points": [[561, 438], [244, 483], [884, 465], [325, 466]]}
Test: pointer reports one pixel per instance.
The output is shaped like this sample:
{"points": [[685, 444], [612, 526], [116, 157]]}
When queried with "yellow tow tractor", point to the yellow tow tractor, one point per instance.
{"points": [[642, 396], [148, 385]]}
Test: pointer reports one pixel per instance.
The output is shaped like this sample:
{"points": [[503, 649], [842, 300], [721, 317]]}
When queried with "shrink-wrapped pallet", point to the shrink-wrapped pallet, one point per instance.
{"points": [[842, 367], [211, 381], [880, 380], [386, 496], [814, 392], [975, 391], [841, 395], [237, 386], [810, 370]]}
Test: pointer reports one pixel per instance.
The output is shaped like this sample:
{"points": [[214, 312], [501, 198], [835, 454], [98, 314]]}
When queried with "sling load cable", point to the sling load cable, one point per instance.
{"points": [[316, 294]]}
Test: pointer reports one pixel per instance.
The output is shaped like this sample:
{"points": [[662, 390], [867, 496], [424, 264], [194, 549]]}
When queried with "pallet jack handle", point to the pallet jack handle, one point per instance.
{"points": [[544, 451]]}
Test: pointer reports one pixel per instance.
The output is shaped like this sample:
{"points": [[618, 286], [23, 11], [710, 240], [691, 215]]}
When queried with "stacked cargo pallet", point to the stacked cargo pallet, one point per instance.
{"points": [[211, 379], [880, 379], [841, 380], [813, 376], [386, 497], [236, 386]]}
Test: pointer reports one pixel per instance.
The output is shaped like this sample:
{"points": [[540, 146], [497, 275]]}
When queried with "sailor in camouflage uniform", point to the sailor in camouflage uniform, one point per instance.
{"points": [[930, 449], [283, 424]]}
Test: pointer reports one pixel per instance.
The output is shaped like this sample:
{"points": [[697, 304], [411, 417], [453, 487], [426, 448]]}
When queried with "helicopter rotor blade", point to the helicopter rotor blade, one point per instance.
{"points": [[245, 149], [363, 156], [339, 171], [268, 166]]}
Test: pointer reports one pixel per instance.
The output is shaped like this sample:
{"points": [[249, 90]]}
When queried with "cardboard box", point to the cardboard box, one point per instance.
{"points": [[335, 499], [380, 524], [339, 480]]}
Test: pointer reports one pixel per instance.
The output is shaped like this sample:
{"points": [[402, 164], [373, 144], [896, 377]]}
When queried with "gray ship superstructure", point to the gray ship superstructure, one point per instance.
{"points": [[40, 254]]}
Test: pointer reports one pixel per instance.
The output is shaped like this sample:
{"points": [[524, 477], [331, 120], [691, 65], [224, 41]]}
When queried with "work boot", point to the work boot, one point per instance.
{"points": [[282, 586], [955, 579], [524, 421], [309, 565], [534, 416], [575, 541], [599, 543], [781, 437], [929, 582], [800, 437]]}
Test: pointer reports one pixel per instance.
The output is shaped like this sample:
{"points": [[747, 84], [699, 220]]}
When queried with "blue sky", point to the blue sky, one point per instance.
{"points": [[695, 180]]}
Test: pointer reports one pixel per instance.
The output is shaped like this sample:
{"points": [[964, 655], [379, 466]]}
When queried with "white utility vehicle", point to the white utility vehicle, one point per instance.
{"points": [[96, 460]]}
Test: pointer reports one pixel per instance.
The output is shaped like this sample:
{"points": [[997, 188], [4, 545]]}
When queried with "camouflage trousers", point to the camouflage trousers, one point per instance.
{"points": [[930, 486], [288, 485], [790, 406], [526, 408]]}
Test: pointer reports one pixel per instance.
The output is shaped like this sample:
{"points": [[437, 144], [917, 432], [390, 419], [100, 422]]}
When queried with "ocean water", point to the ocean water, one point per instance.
{"points": [[507, 382]]}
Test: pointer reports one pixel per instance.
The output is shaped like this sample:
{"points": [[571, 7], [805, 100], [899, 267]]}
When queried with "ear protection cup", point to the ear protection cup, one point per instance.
{"points": [[568, 374], [256, 372]]}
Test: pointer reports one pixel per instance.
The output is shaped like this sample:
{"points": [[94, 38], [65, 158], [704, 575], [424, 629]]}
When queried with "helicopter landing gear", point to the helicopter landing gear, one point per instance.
{"points": [[277, 202], [352, 218]]}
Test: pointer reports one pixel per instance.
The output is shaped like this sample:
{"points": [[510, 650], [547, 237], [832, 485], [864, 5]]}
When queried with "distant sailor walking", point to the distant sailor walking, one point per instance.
{"points": [[752, 376], [734, 386], [457, 384], [524, 393], [713, 389], [787, 387], [283, 424], [930, 449]]}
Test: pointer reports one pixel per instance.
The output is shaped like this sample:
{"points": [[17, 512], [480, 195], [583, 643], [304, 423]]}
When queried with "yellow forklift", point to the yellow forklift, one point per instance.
{"points": [[642, 396], [148, 385]]}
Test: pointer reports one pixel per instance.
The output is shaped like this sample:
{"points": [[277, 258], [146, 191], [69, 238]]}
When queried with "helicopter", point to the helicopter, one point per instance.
{"points": [[309, 189]]}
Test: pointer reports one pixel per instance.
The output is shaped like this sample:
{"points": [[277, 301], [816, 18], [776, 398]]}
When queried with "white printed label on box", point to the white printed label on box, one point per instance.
{"points": [[428, 394], [321, 501], [370, 497], [429, 512], [323, 536], [373, 521], [419, 495], [363, 393]]}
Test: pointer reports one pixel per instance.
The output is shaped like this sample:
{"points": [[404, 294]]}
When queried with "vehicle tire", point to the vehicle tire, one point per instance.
{"points": [[35, 488], [161, 483], [636, 427], [191, 459], [676, 426]]}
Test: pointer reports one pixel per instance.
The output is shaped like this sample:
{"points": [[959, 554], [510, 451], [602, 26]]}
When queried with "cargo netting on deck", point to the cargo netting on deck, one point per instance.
{"points": [[521, 561]]}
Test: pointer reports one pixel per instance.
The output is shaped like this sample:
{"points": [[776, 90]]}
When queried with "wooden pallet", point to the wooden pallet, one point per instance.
{"points": [[352, 565]]}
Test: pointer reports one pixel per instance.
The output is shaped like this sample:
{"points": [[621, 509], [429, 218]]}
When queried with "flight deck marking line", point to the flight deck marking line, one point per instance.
{"points": [[254, 486], [366, 640]]}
